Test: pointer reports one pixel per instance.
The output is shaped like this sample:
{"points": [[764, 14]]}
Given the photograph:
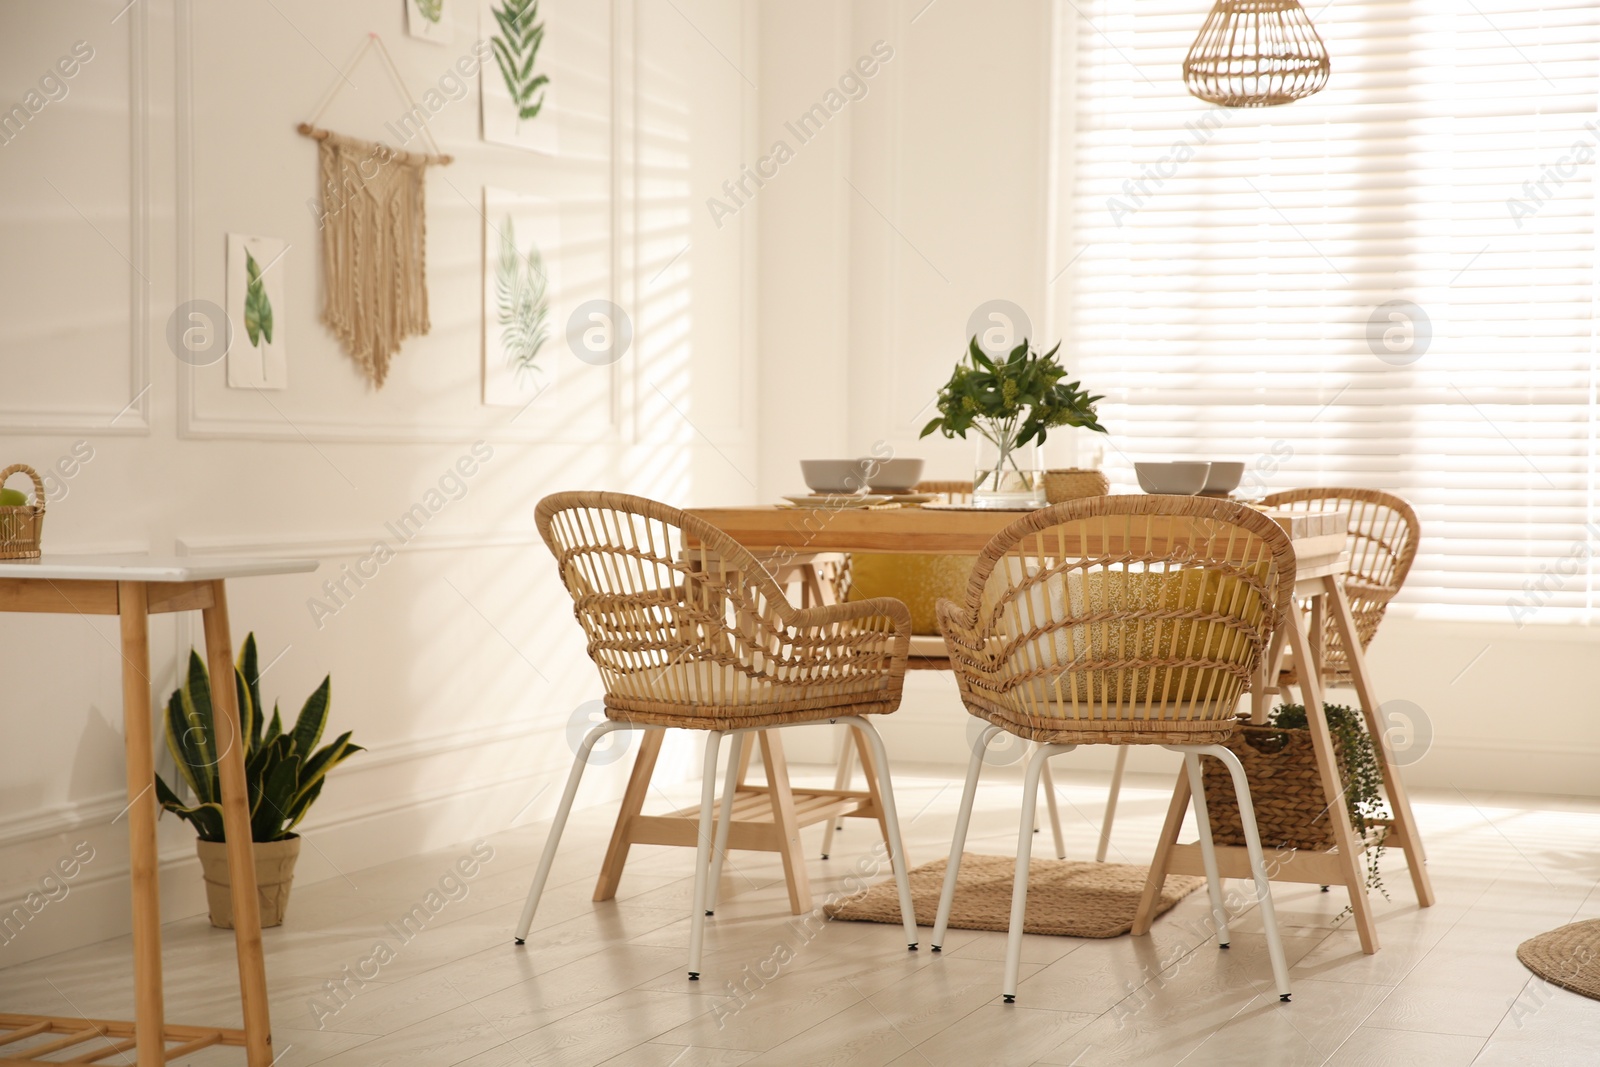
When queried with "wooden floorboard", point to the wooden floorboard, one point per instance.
{"points": [[605, 983]]}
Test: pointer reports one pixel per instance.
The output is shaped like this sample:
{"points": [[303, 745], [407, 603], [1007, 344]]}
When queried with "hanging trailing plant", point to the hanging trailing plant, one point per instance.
{"points": [[522, 302], [1362, 776], [257, 308], [516, 48]]}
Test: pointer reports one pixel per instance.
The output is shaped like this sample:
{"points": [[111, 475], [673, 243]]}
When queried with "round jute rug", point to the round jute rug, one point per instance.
{"points": [[1568, 956]]}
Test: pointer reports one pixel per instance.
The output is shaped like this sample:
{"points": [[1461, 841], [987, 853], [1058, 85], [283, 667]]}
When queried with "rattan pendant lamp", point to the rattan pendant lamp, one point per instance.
{"points": [[1256, 53]]}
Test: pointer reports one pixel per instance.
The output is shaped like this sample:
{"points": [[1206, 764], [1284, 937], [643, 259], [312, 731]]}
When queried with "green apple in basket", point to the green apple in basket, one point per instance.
{"points": [[12, 498]]}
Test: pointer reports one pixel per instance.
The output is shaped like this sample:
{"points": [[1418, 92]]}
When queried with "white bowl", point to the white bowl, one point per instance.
{"points": [[1183, 478], [834, 475], [1224, 478], [893, 475]]}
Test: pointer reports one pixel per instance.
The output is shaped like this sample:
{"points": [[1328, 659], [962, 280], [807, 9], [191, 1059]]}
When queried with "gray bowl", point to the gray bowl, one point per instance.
{"points": [[1224, 478], [833, 475], [893, 475], [1183, 478]]}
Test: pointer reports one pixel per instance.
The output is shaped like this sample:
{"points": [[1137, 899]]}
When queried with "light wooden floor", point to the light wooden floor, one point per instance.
{"points": [[606, 983]]}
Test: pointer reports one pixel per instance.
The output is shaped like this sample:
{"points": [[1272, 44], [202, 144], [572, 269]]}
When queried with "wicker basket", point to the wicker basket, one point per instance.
{"points": [[22, 524], [1285, 788], [1074, 483]]}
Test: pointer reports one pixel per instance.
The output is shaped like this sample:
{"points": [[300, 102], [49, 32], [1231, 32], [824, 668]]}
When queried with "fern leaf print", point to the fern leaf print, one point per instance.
{"points": [[522, 303], [516, 50]]}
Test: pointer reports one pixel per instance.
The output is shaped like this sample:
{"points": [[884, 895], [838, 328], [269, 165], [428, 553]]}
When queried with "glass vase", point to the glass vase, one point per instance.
{"points": [[1006, 475]]}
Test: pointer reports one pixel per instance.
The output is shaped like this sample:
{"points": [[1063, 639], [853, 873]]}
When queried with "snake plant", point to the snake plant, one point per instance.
{"points": [[284, 770]]}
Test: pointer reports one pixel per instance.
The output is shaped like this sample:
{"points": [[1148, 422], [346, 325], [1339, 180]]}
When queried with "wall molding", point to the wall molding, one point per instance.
{"points": [[500, 423], [133, 420]]}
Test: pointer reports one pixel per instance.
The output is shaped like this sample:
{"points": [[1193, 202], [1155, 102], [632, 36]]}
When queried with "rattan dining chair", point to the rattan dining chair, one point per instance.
{"points": [[1122, 620], [1384, 534], [919, 580], [689, 631]]}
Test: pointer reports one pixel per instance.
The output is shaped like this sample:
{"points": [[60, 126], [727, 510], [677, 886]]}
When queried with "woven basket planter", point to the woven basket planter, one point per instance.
{"points": [[22, 525], [1285, 788], [1073, 483]]}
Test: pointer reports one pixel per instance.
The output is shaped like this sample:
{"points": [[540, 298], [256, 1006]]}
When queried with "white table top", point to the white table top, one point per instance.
{"points": [[58, 566]]}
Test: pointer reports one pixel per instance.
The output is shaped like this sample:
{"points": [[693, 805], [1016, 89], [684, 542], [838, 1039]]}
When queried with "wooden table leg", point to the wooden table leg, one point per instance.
{"points": [[644, 766], [1158, 864], [785, 822], [1351, 853], [144, 862], [236, 828], [1399, 800]]}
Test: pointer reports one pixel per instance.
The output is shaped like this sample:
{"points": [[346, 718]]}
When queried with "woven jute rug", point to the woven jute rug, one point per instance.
{"points": [[1065, 897], [1568, 956]]}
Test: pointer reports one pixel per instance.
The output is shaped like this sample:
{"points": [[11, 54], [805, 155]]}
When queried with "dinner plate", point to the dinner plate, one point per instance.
{"points": [[837, 501], [940, 506]]}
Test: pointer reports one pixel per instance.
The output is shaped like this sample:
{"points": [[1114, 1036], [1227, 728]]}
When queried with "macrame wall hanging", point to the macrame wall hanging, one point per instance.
{"points": [[374, 232]]}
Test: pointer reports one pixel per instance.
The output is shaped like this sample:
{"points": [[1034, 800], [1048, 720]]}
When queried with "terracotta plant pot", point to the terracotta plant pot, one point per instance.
{"points": [[274, 875]]}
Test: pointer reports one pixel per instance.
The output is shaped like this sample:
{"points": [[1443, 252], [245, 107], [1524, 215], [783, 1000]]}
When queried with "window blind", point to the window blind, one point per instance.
{"points": [[1391, 284]]}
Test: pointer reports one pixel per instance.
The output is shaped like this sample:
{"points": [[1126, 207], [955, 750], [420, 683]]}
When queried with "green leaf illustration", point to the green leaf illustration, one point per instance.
{"points": [[521, 301], [516, 47], [430, 9], [257, 308]]}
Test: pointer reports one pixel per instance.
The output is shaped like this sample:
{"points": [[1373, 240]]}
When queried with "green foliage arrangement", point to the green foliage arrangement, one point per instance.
{"points": [[516, 47], [521, 301], [284, 772], [432, 10], [257, 308], [1011, 402], [1362, 776]]}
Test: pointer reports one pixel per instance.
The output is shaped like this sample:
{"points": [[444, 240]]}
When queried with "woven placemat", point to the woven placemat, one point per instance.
{"points": [[1568, 956], [1065, 898]]}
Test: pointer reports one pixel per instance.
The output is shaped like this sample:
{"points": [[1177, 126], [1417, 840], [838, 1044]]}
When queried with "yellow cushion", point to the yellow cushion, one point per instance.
{"points": [[918, 581], [1045, 606]]}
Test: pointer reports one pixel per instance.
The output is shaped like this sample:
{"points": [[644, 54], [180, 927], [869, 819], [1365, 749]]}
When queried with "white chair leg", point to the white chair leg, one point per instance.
{"points": [[702, 852], [897, 848], [1258, 864], [841, 780], [1111, 804], [1019, 888], [719, 849], [1208, 849], [1035, 810], [579, 762], [963, 816], [1049, 785]]}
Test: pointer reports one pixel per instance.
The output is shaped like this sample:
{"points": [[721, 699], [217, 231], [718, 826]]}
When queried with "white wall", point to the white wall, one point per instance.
{"points": [[458, 665]]}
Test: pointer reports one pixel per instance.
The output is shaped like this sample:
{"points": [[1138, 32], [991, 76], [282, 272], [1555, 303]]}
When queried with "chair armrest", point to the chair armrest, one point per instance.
{"points": [[1356, 589], [892, 642], [958, 634]]}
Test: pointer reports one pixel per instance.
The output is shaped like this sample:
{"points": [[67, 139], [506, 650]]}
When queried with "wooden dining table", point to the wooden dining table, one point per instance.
{"points": [[793, 540]]}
